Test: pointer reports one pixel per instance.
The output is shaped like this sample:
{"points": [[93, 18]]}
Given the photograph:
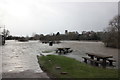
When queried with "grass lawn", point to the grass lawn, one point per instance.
{"points": [[74, 68]]}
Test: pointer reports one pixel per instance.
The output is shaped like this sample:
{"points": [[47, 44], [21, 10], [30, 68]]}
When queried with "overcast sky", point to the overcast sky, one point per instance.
{"points": [[24, 17]]}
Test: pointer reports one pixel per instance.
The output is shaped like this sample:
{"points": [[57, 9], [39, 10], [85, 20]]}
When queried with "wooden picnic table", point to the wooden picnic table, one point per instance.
{"points": [[100, 56], [64, 50], [67, 49], [60, 50]]}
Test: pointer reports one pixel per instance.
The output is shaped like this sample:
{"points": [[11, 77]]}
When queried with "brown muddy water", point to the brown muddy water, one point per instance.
{"points": [[18, 57]]}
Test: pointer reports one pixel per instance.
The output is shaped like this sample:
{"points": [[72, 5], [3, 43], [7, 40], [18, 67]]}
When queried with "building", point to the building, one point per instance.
{"points": [[66, 31]]}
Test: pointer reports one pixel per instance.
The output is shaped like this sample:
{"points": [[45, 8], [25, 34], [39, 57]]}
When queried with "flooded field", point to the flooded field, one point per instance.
{"points": [[18, 57], [82, 47]]}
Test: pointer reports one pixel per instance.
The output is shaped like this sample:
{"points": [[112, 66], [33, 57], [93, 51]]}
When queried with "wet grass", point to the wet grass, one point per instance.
{"points": [[46, 51], [74, 68]]}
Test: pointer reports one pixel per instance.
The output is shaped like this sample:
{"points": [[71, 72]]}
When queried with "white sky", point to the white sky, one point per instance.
{"points": [[24, 17]]}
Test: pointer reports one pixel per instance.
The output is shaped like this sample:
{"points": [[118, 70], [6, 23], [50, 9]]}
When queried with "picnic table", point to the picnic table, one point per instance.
{"points": [[98, 59], [63, 50]]}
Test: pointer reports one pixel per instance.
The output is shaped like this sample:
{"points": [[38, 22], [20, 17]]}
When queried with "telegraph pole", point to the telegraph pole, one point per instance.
{"points": [[2, 34]]}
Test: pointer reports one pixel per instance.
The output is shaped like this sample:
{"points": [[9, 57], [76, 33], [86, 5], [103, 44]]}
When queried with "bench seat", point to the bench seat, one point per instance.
{"points": [[111, 61], [92, 61]]}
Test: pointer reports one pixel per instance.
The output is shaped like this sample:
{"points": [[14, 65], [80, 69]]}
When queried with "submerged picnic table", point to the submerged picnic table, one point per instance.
{"points": [[63, 50], [99, 59]]}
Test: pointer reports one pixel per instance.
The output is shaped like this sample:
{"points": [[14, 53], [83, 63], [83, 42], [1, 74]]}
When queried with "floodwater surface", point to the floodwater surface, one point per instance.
{"points": [[20, 57]]}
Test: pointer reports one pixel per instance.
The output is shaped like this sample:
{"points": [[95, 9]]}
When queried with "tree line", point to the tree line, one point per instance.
{"points": [[85, 35], [110, 36]]}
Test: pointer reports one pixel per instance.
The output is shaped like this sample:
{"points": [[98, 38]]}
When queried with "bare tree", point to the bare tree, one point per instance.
{"points": [[112, 33], [6, 32]]}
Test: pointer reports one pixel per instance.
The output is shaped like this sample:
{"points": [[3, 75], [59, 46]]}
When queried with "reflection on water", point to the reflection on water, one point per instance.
{"points": [[21, 56]]}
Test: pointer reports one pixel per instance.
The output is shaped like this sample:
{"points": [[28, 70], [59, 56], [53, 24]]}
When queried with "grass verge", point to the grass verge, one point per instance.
{"points": [[74, 68], [46, 51]]}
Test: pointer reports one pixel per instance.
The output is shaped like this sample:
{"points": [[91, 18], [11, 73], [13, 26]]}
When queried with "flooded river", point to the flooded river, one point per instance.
{"points": [[21, 56]]}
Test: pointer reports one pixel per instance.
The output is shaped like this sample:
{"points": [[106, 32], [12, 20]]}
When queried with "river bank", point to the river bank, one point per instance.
{"points": [[63, 67]]}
